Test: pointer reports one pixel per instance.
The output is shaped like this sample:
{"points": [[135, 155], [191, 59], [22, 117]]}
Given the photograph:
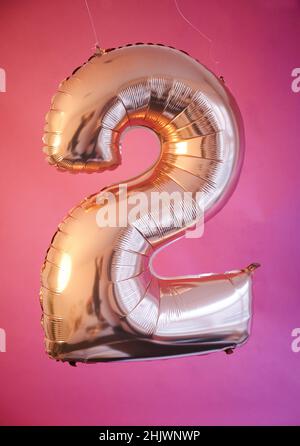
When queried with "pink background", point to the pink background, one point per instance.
{"points": [[257, 44]]}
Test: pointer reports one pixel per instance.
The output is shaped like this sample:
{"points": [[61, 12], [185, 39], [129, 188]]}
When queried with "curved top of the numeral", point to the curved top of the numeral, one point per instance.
{"points": [[159, 87]]}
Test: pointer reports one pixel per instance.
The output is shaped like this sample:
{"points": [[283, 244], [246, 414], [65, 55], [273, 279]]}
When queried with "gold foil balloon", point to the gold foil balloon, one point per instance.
{"points": [[101, 300]]}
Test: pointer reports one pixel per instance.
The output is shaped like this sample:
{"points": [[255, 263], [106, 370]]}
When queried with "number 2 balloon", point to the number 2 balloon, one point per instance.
{"points": [[100, 298]]}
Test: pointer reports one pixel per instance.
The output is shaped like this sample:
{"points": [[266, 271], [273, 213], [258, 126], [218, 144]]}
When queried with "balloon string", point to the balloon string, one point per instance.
{"points": [[92, 23], [208, 39]]}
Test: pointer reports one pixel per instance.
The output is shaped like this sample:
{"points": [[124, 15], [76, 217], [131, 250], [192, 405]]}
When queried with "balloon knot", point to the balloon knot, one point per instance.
{"points": [[252, 267]]}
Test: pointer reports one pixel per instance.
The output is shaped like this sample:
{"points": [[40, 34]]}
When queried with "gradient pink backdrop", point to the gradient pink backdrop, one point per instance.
{"points": [[257, 44]]}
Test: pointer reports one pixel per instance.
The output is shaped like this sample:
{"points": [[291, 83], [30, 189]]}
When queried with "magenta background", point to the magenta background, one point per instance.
{"points": [[257, 43]]}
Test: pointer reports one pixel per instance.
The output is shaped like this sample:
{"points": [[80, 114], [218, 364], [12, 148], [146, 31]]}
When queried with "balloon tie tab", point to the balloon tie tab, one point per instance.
{"points": [[252, 267], [99, 51]]}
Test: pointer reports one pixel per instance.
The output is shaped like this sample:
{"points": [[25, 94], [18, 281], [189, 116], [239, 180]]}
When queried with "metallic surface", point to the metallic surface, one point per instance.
{"points": [[101, 299]]}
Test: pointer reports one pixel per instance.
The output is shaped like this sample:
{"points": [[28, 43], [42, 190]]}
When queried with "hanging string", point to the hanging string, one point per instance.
{"points": [[204, 36], [198, 30], [92, 23]]}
